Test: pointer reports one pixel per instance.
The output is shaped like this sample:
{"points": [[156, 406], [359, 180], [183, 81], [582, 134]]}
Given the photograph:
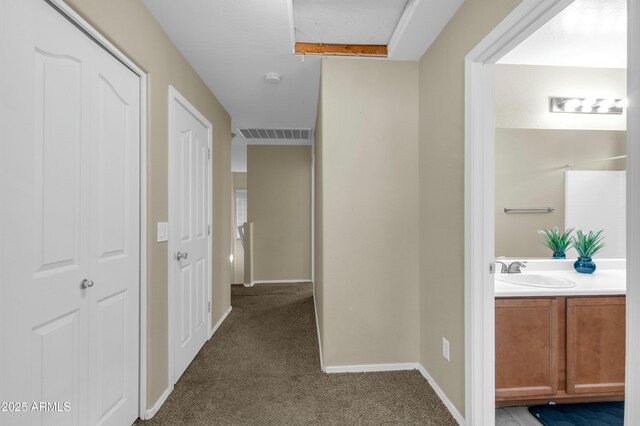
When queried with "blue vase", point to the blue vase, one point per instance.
{"points": [[585, 265], [559, 256]]}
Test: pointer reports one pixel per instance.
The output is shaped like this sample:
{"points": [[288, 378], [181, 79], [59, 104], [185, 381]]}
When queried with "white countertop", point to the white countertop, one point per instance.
{"points": [[610, 278]]}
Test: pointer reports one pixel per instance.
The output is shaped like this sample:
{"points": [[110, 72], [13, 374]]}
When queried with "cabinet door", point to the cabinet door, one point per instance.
{"points": [[595, 344], [526, 347]]}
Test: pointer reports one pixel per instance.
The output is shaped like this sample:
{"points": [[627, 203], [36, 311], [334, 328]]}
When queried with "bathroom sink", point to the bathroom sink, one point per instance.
{"points": [[533, 280]]}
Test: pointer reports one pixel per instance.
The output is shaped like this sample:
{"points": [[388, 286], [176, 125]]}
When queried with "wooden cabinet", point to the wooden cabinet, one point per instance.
{"points": [[595, 344], [559, 348], [526, 347]]}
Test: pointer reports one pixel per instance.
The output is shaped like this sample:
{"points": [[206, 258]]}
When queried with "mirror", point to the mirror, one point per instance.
{"points": [[557, 169]]}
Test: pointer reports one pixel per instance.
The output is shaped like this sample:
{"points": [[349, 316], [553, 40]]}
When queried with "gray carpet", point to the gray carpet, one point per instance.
{"points": [[262, 368]]}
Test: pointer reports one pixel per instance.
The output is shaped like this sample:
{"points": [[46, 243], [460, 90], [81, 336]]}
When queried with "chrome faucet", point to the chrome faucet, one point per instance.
{"points": [[512, 268]]}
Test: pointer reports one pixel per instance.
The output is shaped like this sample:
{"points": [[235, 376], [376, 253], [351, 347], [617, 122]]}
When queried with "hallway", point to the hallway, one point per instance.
{"points": [[262, 368]]}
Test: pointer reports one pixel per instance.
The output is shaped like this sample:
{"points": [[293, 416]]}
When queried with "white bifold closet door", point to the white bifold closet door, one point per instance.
{"points": [[190, 235], [70, 225]]}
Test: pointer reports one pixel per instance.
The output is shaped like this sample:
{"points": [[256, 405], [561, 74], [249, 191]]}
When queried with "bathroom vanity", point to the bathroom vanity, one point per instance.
{"points": [[561, 344]]}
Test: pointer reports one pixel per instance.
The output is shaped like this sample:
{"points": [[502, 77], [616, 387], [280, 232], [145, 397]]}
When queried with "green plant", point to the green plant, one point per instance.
{"points": [[587, 245], [557, 242]]}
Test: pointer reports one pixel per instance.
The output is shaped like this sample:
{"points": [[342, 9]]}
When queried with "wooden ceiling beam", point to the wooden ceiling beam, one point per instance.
{"points": [[377, 50]]}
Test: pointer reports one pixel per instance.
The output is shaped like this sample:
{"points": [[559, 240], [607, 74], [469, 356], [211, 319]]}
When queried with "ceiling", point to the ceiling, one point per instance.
{"points": [[233, 44], [347, 21], [588, 33]]}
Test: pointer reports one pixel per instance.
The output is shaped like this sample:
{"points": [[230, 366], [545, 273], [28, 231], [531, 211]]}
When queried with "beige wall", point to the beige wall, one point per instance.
{"points": [[279, 206], [318, 221], [130, 26], [441, 195], [523, 91], [367, 182], [530, 173], [239, 182]]}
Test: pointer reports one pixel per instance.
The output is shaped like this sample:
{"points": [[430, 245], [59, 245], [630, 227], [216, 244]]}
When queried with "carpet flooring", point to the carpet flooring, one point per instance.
{"points": [[262, 368]]}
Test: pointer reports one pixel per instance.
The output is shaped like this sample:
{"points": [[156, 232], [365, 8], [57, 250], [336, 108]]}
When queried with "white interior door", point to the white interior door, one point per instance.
{"points": [[114, 249], [70, 213], [189, 235], [189, 230]]}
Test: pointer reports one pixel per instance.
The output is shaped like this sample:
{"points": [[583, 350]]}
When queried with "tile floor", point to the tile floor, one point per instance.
{"points": [[515, 416]]}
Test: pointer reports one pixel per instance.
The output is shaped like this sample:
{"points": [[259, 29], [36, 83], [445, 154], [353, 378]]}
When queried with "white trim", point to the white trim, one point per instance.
{"points": [[479, 377], [220, 321], [148, 414], [292, 26], [143, 246], [632, 379], [443, 396], [176, 98], [366, 368], [300, 281], [401, 27], [98, 38], [369, 368], [315, 311]]}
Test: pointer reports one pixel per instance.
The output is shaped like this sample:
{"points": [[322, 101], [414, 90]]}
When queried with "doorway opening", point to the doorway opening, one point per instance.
{"points": [[487, 161]]}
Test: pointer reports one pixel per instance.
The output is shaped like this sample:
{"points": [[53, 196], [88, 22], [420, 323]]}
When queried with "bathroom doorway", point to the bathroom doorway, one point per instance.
{"points": [[482, 215]]}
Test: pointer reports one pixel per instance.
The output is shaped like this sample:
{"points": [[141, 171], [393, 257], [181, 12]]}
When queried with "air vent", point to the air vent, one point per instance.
{"points": [[276, 133]]}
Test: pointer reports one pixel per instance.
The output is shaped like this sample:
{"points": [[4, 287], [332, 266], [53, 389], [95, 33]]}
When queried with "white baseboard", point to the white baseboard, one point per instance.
{"points": [[153, 410], [149, 413], [220, 321], [315, 310], [443, 397], [300, 281], [401, 367], [362, 368]]}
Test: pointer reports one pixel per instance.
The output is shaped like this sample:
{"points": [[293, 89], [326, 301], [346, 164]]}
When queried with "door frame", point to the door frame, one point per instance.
{"points": [[529, 16], [66, 11], [176, 98]]}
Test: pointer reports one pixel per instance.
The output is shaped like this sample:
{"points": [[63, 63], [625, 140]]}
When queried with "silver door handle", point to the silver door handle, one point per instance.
{"points": [[181, 255], [86, 284]]}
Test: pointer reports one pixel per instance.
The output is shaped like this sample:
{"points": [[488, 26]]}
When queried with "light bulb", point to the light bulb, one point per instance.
{"points": [[622, 103], [572, 105], [606, 103], [588, 103]]}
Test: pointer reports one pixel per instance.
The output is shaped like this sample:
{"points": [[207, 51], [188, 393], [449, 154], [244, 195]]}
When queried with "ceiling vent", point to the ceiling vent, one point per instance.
{"points": [[276, 133]]}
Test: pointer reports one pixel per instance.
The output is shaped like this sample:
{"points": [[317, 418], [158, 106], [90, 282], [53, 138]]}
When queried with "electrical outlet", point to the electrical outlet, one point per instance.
{"points": [[445, 349]]}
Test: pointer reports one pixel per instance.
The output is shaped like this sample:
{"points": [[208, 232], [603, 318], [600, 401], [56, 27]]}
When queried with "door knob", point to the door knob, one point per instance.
{"points": [[181, 255], [86, 284]]}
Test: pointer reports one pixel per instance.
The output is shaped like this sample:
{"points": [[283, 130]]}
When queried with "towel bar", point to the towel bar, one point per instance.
{"points": [[539, 210]]}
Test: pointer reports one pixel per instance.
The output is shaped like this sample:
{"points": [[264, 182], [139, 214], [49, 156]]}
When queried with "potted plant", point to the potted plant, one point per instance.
{"points": [[587, 245], [558, 243]]}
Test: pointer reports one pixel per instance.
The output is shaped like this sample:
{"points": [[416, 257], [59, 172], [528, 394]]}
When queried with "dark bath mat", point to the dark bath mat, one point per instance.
{"points": [[589, 414]]}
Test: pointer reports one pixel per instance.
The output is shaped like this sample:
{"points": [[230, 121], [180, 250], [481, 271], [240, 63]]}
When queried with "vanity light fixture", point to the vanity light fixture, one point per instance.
{"points": [[587, 105]]}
